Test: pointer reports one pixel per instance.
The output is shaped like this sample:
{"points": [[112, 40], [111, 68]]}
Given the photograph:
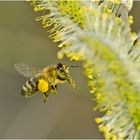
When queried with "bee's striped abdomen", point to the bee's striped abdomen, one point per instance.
{"points": [[30, 87]]}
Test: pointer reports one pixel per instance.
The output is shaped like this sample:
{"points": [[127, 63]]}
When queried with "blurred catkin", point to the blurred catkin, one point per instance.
{"points": [[98, 33]]}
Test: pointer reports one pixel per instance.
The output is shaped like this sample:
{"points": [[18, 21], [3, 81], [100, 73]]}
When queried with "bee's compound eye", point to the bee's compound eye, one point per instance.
{"points": [[60, 68]]}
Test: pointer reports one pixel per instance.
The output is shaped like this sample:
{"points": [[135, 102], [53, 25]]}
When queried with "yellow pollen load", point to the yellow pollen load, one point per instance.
{"points": [[43, 86]]}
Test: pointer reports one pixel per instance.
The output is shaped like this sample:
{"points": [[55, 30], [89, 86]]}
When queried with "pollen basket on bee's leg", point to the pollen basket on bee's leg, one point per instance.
{"points": [[43, 86]]}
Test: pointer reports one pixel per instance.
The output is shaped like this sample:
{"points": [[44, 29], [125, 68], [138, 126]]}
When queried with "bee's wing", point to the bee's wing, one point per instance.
{"points": [[27, 70]]}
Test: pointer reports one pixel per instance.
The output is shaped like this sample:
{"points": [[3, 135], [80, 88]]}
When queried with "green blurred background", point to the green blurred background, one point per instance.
{"points": [[67, 115]]}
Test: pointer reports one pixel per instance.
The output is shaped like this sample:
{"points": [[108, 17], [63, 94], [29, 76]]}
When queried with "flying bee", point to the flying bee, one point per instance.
{"points": [[44, 80]]}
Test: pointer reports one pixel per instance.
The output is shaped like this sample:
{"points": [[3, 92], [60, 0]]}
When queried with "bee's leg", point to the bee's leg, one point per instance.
{"points": [[46, 97], [54, 89], [71, 82]]}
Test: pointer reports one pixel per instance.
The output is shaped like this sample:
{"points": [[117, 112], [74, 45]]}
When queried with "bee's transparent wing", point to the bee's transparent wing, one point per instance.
{"points": [[27, 70]]}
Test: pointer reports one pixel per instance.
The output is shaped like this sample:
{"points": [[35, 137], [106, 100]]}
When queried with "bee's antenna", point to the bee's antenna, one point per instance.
{"points": [[73, 66]]}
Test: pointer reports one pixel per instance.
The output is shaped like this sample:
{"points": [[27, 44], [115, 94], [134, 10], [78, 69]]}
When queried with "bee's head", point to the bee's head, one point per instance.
{"points": [[63, 73]]}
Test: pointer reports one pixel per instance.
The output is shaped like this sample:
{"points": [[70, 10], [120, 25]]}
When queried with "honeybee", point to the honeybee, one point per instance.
{"points": [[44, 80]]}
